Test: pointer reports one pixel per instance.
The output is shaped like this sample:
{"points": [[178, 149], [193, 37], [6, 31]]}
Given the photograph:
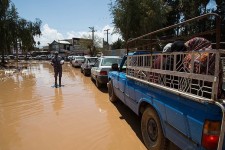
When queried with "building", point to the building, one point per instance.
{"points": [[60, 46], [81, 46], [74, 46]]}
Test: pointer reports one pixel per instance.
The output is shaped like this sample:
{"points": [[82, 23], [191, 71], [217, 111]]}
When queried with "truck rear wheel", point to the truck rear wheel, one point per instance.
{"points": [[112, 97], [152, 130]]}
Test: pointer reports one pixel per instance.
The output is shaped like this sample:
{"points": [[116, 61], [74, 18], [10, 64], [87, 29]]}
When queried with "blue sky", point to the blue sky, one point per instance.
{"points": [[68, 18]]}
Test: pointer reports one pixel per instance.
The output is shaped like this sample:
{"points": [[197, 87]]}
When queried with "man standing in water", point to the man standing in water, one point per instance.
{"points": [[57, 63]]}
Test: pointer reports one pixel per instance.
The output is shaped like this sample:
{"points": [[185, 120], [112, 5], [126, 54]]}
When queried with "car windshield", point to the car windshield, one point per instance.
{"points": [[91, 60], [110, 61], [79, 57]]}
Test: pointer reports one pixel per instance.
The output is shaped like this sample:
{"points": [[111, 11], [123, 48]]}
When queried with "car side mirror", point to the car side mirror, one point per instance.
{"points": [[114, 67]]}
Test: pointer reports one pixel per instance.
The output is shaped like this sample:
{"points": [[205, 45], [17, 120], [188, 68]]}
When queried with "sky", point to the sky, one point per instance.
{"points": [[68, 19]]}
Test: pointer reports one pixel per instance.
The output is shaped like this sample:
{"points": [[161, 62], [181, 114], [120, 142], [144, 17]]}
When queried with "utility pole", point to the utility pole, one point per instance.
{"points": [[93, 31], [92, 50], [107, 30]]}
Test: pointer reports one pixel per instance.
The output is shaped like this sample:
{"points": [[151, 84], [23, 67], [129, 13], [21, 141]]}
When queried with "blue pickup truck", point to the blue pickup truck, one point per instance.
{"points": [[183, 107]]}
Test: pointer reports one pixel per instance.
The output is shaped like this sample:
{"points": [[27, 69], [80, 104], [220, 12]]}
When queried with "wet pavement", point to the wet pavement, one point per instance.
{"points": [[35, 116]]}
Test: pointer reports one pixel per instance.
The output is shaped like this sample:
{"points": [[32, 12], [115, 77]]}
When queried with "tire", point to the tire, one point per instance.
{"points": [[92, 79], [85, 73], [97, 83], [112, 97], [151, 129]]}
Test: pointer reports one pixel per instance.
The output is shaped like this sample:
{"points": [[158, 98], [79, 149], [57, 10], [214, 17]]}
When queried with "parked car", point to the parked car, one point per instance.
{"points": [[87, 65], [50, 57], [36, 57], [99, 72], [11, 56], [6, 58], [77, 61], [41, 57], [21, 57], [69, 58]]}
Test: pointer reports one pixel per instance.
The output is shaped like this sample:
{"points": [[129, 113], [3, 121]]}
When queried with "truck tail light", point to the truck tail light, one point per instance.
{"points": [[103, 72], [210, 135]]}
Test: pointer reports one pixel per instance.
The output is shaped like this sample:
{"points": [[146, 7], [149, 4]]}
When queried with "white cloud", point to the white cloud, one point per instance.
{"points": [[49, 35]]}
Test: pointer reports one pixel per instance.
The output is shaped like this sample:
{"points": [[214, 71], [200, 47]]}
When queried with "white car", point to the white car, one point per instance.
{"points": [[43, 57], [99, 71], [21, 57], [77, 61], [86, 66]]}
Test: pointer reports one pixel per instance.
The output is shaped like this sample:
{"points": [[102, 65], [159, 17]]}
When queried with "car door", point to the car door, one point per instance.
{"points": [[84, 63], [95, 68], [121, 80]]}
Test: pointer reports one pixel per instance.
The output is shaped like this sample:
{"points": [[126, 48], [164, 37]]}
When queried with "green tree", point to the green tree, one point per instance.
{"points": [[119, 44], [14, 29], [126, 17], [93, 48], [133, 18], [4, 27], [27, 31]]}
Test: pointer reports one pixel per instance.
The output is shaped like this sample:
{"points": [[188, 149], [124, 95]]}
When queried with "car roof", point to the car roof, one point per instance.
{"points": [[89, 57], [110, 57]]}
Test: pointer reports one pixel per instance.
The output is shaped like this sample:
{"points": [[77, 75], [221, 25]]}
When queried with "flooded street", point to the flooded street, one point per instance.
{"points": [[35, 116]]}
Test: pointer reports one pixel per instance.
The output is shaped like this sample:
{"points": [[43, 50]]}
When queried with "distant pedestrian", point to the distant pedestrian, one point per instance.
{"points": [[57, 63]]}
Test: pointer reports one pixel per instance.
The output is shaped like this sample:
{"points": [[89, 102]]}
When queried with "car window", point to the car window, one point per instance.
{"points": [[80, 58], [110, 61], [91, 60], [97, 63]]}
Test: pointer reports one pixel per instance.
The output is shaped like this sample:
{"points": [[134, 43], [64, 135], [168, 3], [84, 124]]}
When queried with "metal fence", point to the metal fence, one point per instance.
{"points": [[191, 73]]}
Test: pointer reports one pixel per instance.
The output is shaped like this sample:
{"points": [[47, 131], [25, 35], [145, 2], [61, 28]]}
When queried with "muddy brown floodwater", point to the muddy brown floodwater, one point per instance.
{"points": [[78, 116]]}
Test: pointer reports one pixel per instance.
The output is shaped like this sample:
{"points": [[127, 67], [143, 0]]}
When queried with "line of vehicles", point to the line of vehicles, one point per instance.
{"points": [[27, 57], [95, 67]]}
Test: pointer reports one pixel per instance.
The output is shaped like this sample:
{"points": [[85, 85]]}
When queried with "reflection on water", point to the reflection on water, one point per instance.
{"points": [[58, 101], [35, 116]]}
